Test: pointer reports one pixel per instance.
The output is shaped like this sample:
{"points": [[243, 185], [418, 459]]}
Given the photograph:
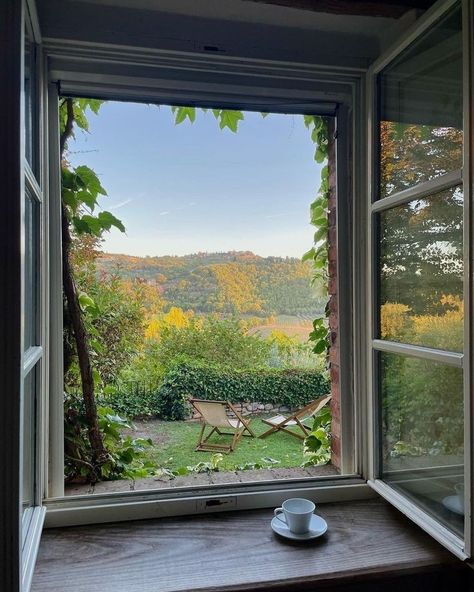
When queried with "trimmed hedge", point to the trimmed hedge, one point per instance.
{"points": [[290, 387], [133, 399]]}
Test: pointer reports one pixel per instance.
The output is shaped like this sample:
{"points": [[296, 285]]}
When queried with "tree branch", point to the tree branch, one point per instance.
{"points": [[68, 128], [75, 318]]}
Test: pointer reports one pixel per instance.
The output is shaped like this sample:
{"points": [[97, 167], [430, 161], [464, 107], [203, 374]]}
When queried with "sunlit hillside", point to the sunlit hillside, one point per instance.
{"points": [[233, 283]]}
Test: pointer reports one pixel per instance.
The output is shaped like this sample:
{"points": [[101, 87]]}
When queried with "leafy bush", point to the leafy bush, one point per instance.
{"points": [[210, 339], [290, 387], [113, 313], [317, 446], [289, 352], [126, 458], [133, 398], [178, 337]]}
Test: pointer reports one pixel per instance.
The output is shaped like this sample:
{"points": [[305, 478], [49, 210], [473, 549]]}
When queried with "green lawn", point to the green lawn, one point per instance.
{"points": [[174, 443]]}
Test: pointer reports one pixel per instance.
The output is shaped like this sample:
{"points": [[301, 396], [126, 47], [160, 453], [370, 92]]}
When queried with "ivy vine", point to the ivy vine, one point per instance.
{"points": [[319, 211]]}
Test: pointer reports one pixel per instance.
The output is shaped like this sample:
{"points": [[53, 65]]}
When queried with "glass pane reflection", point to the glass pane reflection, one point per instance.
{"points": [[422, 434], [31, 272], [420, 101], [29, 93], [421, 272], [28, 433]]}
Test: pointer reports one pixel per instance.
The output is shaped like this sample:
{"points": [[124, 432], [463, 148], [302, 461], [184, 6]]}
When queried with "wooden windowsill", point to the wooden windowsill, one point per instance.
{"points": [[234, 551]]}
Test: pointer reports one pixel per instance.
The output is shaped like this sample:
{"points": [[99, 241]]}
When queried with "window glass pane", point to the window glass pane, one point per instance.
{"points": [[422, 434], [29, 92], [420, 269], [28, 434], [420, 102], [31, 271]]}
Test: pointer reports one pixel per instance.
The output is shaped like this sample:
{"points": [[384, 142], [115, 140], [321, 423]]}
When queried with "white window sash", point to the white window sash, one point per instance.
{"points": [[460, 547]]}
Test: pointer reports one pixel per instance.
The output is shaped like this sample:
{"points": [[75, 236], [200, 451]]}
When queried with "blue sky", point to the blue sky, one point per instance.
{"points": [[193, 187]]}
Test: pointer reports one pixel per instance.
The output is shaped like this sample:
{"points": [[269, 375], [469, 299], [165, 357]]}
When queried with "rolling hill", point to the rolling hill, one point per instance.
{"points": [[233, 283]]}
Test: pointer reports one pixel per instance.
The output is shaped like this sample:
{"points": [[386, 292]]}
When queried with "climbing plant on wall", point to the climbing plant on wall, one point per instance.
{"points": [[318, 253]]}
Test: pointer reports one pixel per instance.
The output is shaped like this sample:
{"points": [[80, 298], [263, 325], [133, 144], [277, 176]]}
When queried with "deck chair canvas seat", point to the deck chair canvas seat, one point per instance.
{"points": [[215, 415], [299, 418]]}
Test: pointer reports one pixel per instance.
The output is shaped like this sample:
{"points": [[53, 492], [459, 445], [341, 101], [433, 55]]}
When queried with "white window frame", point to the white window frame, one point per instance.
{"points": [[266, 86], [462, 547]]}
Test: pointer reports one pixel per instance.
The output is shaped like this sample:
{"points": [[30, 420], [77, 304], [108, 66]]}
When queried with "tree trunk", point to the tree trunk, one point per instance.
{"points": [[99, 453]]}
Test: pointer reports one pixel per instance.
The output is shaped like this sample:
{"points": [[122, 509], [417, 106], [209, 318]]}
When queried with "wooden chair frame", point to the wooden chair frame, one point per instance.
{"points": [[297, 419], [204, 446]]}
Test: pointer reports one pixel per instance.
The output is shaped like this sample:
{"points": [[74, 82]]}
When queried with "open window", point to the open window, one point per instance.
{"points": [[420, 278], [178, 313], [166, 83], [201, 291]]}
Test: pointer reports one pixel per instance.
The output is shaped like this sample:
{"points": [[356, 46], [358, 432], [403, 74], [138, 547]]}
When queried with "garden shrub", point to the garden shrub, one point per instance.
{"points": [[126, 457], [211, 340], [133, 398], [286, 387]]}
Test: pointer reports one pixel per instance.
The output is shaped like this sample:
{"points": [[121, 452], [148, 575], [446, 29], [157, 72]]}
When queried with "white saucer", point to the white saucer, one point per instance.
{"points": [[454, 503], [317, 528]]}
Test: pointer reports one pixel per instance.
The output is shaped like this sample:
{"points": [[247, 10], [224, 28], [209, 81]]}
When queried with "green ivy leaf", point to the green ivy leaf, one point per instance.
{"points": [[93, 225], [320, 263], [80, 118], [87, 198], [320, 234], [320, 346], [319, 155], [183, 113], [230, 119], [69, 198], [320, 223], [90, 180], [96, 377], [97, 346], [94, 105], [308, 255], [107, 220], [85, 300]]}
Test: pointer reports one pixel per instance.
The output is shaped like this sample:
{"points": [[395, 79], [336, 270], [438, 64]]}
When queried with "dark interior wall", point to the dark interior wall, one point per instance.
{"points": [[392, 8], [92, 22]]}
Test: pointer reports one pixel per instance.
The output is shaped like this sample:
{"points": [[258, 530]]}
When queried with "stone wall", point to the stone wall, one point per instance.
{"points": [[247, 408]]}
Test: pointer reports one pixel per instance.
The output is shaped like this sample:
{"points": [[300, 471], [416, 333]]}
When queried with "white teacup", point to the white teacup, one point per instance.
{"points": [[459, 488], [297, 514]]}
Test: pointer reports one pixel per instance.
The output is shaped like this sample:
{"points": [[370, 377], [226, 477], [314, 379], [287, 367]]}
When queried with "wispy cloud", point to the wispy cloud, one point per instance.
{"points": [[121, 204], [163, 213], [278, 215]]}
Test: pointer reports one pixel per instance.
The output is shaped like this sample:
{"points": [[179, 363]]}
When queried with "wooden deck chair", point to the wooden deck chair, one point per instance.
{"points": [[214, 415], [299, 419]]}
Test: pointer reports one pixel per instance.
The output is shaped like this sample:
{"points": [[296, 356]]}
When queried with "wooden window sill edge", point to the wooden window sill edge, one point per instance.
{"points": [[237, 551]]}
